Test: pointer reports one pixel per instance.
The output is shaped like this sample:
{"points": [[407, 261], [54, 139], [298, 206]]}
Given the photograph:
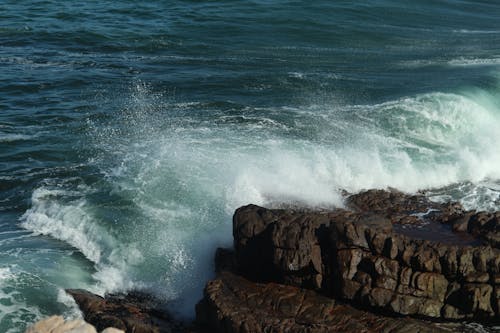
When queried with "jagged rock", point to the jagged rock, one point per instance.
{"points": [[358, 256], [232, 304], [294, 263], [294, 258], [477, 298], [134, 313], [394, 204], [487, 226], [404, 209]]}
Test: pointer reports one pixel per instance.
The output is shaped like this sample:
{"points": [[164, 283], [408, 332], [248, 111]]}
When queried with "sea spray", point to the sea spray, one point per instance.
{"points": [[130, 132], [174, 179]]}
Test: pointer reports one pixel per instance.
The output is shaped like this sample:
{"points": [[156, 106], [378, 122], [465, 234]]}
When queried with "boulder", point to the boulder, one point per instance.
{"points": [[57, 324], [132, 313]]}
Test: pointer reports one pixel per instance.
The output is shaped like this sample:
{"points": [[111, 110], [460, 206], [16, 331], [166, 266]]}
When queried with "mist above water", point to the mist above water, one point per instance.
{"points": [[173, 179]]}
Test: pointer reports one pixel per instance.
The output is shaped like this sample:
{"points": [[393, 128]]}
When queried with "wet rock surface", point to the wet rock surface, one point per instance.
{"points": [[232, 304], [356, 256], [133, 313], [406, 209], [370, 267]]}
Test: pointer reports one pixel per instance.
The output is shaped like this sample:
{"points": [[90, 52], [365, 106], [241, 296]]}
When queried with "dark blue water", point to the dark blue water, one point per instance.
{"points": [[130, 132]]}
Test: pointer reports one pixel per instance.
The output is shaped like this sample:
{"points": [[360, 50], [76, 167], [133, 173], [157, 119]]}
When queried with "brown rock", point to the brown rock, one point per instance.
{"points": [[386, 282], [461, 224], [477, 277], [426, 259], [350, 289], [477, 298], [431, 308], [132, 313], [406, 304], [449, 263], [496, 300], [283, 247], [465, 261], [451, 312], [487, 226], [386, 267], [348, 262], [405, 276], [358, 257], [379, 297], [232, 304], [432, 285]]}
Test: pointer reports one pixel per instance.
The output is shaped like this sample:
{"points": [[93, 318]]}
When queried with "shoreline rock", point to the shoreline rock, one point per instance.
{"points": [[358, 257], [232, 304], [389, 262], [134, 312]]}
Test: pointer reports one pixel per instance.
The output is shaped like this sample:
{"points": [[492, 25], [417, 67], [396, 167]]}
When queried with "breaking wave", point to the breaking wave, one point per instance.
{"points": [[172, 177]]}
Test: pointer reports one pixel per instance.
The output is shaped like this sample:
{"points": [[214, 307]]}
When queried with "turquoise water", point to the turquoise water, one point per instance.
{"points": [[130, 132]]}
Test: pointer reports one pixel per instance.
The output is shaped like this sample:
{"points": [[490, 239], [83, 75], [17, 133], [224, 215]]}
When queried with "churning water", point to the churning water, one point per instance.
{"points": [[129, 132]]}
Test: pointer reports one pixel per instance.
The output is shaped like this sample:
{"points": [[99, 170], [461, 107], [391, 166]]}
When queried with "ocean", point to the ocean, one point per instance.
{"points": [[130, 131]]}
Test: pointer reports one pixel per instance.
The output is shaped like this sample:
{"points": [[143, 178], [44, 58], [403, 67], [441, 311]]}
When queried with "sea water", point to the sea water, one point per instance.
{"points": [[130, 131]]}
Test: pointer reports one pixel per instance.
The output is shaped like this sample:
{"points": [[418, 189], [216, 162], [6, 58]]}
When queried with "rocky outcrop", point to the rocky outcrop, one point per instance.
{"points": [[232, 304], [365, 268], [358, 256], [401, 208], [133, 313], [484, 225]]}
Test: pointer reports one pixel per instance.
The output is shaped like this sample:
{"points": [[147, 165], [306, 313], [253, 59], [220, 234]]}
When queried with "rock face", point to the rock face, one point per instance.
{"points": [[357, 255], [403, 209], [317, 271], [233, 304], [130, 313], [484, 225]]}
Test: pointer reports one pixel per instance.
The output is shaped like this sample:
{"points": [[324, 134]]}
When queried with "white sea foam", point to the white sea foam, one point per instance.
{"points": [[67, 217], [73, 311], [182, 177], [456, 62], [9, 137], [474, 61], [69, 223], [468, 31], [14, 310], [5, 273], [192, 180]]}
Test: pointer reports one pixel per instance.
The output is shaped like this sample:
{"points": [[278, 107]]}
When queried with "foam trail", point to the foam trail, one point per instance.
{"points": [[48, 217], [456, 62], [66, 215], [9, 137]]}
